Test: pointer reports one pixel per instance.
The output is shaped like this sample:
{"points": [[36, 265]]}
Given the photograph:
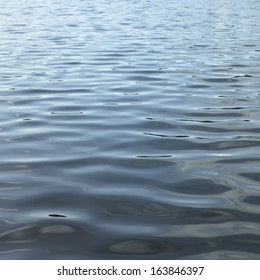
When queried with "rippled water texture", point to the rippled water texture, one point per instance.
{"points": [[129, 129]]}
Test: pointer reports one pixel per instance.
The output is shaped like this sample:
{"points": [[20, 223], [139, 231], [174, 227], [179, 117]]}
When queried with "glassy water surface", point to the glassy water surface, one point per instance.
{"points": [[130, 129]]}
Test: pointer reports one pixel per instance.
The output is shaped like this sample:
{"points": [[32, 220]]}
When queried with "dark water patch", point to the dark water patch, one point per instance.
{"points": [[238, 65], [254, 200], [244, 76], [66, 113], [219, 80], [251, 175], [241, 160], [57, 216], [214, 115], [199, 187], [199, 86]]}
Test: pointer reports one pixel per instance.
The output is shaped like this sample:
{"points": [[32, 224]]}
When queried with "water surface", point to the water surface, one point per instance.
{"points": [[130, 129]]}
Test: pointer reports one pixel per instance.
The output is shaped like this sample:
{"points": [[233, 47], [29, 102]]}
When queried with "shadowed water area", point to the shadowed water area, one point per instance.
{"points": [[130, 129]]}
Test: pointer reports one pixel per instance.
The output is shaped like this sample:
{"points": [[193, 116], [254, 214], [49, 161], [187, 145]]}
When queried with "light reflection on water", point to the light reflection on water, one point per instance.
{"points": [[129, 130]]}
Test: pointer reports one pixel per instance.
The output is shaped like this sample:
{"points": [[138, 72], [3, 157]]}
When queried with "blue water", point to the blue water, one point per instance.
{"points": [[130, 129]]}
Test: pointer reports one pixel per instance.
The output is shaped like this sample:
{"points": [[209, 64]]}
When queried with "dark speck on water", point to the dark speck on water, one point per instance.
{"points": [[130, 129], [57, 216]]}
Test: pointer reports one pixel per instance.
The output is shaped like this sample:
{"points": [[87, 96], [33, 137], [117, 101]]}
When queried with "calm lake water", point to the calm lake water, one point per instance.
{"points": [[130, 129]]}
